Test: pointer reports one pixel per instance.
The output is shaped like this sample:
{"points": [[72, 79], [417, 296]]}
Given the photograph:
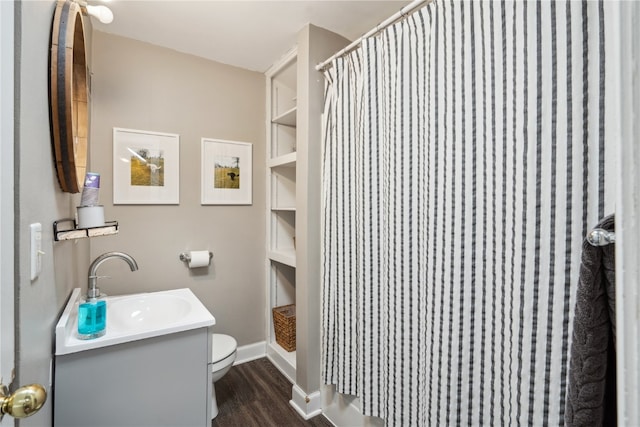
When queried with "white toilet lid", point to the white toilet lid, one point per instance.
{"points": [[222, 346]]}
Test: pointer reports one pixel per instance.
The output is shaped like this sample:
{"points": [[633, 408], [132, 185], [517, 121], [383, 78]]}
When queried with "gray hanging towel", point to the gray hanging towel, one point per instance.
{"points": [[591, 391]]}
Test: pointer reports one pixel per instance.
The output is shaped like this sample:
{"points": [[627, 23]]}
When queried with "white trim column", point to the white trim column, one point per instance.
{"points": [[626, 130]]}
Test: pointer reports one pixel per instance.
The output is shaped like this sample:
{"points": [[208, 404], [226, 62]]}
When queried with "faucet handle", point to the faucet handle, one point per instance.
{"points": [[99, 277]]}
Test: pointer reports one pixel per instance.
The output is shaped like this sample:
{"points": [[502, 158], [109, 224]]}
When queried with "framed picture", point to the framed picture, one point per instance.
{"points": [[145, 167], [226, 172]]}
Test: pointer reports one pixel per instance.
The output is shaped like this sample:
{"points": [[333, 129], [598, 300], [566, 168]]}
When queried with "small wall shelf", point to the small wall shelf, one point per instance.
{"points": [[286, 257], [284, 161], [66, 229], [288, 118]]}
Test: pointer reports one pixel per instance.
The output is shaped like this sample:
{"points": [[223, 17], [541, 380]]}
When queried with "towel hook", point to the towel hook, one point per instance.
{"points": [[601, 237]]}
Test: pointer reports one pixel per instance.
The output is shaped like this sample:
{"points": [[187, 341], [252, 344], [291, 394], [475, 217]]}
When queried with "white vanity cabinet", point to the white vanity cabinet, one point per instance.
{"points": [[152, 367], [158, 381]]}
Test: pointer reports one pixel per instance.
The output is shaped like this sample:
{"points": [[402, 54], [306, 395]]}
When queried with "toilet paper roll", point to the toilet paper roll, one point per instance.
{"points": [[199, 259]]}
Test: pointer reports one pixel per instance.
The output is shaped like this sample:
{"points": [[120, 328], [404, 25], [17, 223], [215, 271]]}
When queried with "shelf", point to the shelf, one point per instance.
{"points": [[288, 118], [283, 257], [282, 209], [289, 356], [72, 232], [284, 161]]}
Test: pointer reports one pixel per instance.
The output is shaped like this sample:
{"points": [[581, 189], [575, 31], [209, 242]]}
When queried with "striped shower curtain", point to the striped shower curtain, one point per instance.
{"points": [[463, 164]]}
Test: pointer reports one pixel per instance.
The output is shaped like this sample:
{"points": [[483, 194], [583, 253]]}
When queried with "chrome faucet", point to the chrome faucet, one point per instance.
{"points": [[92, 289]]}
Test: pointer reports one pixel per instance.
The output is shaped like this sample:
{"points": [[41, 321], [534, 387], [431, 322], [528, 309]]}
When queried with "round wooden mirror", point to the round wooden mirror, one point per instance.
{"points": [[69, 98]]}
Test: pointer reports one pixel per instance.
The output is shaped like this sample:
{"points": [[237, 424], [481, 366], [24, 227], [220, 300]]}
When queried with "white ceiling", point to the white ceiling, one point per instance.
{"points": [[243, 33]]}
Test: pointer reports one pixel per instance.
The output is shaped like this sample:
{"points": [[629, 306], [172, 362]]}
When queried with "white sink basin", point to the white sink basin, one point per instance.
{"points": [[146, 311], [134, 317]]}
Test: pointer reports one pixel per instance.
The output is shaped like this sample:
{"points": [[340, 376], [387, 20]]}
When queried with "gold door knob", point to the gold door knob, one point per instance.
{"points": [[22, 403]]}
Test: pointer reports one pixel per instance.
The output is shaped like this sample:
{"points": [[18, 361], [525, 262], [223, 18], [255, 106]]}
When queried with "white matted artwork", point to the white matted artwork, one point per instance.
{"points": [[226, 172], [145, 167]]}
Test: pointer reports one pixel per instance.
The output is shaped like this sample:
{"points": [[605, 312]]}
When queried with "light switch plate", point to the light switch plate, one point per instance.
{"points": [[36, 250]]}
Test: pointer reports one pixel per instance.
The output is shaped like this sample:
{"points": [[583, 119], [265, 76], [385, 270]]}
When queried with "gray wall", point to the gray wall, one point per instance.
{"points": [[141, 86], [39, 199]]}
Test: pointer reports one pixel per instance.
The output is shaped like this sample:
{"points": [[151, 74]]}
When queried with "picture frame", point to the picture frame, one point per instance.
{"points": [[145, 167], [226, 172]]}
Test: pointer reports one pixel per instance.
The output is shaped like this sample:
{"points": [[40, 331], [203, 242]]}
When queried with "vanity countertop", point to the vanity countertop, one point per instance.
{"points": [[133, 317]]}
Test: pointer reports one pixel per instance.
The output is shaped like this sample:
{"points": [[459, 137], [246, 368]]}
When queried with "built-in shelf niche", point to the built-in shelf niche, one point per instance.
{"points": [[281, 162], [283, 111], [283, 187], [283, 229], [282, 278], [284, 284], [283, 140]]}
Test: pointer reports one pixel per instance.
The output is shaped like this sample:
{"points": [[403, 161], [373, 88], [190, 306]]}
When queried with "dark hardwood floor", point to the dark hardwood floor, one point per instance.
{"points": [[257, 394]]}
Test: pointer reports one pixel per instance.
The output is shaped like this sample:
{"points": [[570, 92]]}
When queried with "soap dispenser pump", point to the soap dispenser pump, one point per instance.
{"points": [[92, 318], [92, 314]]}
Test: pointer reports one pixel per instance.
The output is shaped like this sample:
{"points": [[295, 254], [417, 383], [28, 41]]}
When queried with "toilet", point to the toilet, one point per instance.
{"points": [[224, 354]]}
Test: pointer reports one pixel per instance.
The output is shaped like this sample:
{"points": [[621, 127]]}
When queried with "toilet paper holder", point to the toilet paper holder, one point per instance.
{"points": [[186, 257]]}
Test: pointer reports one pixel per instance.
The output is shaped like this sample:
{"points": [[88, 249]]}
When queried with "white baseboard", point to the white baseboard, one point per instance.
{"points": [[247, 353], [307, 405]]}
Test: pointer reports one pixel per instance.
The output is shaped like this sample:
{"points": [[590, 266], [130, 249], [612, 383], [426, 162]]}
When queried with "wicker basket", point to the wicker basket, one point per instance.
{"points": [[284, 323]]}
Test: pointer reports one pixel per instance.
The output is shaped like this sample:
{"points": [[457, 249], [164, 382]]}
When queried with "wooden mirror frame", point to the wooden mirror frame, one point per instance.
{"points": [[69, 96]]}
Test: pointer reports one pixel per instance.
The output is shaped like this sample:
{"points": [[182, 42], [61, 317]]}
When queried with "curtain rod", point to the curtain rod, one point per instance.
{"points": [[381, 26]]}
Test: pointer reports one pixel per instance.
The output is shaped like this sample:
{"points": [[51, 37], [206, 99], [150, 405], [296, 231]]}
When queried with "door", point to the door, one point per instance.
{"points": [[6, 192], [25, 401], [6, 197]]}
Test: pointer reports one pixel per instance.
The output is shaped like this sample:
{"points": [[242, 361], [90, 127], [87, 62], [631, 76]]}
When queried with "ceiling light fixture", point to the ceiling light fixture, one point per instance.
{"points": [[102, 13]]}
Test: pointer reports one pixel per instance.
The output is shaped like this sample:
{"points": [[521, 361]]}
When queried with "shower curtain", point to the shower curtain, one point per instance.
{"points": [[463, 164]]}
